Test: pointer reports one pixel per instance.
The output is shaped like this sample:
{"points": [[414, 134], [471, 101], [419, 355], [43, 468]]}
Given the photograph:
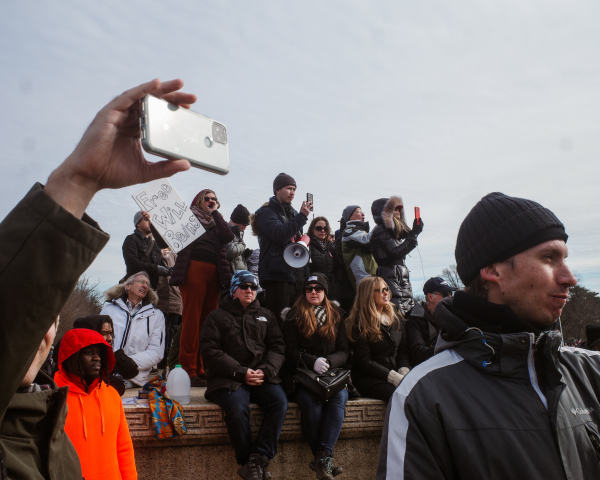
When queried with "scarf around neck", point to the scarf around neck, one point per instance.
{"points": [[321, 315], [205, 218]]}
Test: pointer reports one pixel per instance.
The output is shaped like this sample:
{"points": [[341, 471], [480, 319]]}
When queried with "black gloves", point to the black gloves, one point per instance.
{"points": [[163, 271], [247, 253], [417, 227], [126, 366]]}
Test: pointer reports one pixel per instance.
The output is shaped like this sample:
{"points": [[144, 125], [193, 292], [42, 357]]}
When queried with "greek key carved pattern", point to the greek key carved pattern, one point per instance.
{"points": [[209, 419]]}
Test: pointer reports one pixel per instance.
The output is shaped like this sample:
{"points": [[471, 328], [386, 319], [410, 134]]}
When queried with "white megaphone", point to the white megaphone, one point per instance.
{"points": [[296, 255]]}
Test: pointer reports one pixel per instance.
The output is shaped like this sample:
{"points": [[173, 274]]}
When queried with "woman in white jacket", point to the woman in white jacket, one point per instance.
{"points": [[139, 327]]}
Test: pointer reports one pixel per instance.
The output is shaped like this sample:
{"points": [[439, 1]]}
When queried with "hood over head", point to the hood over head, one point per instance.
{"points": [[383, 211], [93, 322], [78, 338]]}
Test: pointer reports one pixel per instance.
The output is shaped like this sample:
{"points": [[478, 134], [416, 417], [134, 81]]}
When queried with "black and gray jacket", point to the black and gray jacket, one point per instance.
{"points": [[508, 405], [233, 340], [390, 251], [421, 334], [236, 249]]}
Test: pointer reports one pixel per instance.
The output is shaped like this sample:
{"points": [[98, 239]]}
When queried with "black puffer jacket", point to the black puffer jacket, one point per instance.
{"points": [[343, 287], [372, 361], [302, 351], [421, 334], [234, 340], [510, 404], [389, 252], [321, 260]]}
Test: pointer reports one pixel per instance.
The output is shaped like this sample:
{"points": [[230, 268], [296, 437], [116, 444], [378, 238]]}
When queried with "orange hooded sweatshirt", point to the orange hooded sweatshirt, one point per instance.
{"points": [[96, 421]]}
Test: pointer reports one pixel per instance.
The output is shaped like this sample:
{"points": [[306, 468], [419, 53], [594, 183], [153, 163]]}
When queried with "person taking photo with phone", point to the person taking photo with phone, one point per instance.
{"points": [[391, 241], [277, 225], [201, 271]]}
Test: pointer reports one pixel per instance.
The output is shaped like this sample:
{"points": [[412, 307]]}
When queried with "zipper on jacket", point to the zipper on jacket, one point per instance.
{"points": [[532, 373]]}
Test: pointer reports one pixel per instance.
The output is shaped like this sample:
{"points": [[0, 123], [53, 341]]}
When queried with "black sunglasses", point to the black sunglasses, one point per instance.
{"points": [[208, 199], [247, 286], [316, 288], [319, 228], [384, 289]]}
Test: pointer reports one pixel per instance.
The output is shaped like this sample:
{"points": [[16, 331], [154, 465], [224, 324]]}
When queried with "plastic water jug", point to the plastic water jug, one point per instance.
{"points": [[178, 385]]}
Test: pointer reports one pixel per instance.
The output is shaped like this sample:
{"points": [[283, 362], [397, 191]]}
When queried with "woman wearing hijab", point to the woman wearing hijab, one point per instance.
{"points": [[201, 271]]}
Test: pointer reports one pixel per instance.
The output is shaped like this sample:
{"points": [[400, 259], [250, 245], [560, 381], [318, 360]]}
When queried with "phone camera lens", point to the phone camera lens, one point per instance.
{"points": [[219, 133]]}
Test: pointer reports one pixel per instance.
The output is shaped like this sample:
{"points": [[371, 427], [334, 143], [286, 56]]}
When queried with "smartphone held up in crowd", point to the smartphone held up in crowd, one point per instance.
{"points": [[309, 199], [171, 131]]}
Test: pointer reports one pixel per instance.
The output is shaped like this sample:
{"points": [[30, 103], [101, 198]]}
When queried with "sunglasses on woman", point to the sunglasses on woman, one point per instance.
{"points": [[319, 228], [210, 199], [247, 286], [316, 288], [384, 290]]}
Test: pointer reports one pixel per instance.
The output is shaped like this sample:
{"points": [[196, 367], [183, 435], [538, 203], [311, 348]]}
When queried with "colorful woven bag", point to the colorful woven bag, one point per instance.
{"points": [[167, 414]]}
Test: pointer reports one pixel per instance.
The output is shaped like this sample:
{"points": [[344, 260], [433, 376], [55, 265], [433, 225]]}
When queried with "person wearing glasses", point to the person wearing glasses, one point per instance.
{"points": [[391, 240], [378, 339], [421, 330], [321, 249], [243, 350], [201, 271], [139, 327], [315, 336]]}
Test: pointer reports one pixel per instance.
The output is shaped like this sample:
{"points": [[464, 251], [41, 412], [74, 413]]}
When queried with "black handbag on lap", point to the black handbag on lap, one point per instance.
{"points": [[323, 385]]}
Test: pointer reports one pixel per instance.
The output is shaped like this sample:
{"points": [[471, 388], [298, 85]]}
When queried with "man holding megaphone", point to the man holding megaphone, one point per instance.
{"points": [[278, 225]]}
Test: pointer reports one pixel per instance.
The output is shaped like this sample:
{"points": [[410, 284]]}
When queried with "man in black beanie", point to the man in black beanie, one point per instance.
{"points": [[502, 398], [277, 225], [237, 253]]}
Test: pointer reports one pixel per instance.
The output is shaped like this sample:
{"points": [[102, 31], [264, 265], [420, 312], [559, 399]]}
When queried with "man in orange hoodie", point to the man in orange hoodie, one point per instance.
{"points": [[96, 421]]}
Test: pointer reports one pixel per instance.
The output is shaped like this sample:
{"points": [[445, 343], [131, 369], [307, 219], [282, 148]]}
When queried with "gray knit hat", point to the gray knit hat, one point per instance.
{"points": [[283, 180], [499, 227], [137, 218], [348, 211]]}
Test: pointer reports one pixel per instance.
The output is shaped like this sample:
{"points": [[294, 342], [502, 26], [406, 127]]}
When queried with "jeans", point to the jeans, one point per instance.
{"points": [[236, 404], [321, 423]]}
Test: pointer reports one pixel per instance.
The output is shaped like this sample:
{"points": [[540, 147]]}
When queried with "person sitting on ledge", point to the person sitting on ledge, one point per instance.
{"points": [[243, 350]]}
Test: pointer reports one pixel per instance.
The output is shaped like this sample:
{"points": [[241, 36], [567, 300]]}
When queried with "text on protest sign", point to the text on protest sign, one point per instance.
{"points": [[169, 214]]}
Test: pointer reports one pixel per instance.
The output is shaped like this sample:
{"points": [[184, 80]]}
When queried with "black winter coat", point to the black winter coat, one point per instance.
{"points": [[221, 235], [503, 405], [275, 232], [304, 352], [140, 257], [421, 333], [321, 260], [389, 253], [372, 361], [233, 340], [343, 287]]}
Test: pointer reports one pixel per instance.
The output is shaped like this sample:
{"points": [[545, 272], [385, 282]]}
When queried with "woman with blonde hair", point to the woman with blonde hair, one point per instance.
{"points": [[201, 271], [315, 335], [380, 355]]}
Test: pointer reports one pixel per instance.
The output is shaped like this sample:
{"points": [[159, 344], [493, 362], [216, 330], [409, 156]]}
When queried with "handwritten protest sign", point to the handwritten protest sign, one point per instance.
{"points": [[169, 214]]}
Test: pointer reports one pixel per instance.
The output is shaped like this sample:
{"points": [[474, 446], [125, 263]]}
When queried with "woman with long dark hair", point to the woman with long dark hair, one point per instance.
{"points": [[321, 249], [201, 271], [315, 335], [380, 356]]}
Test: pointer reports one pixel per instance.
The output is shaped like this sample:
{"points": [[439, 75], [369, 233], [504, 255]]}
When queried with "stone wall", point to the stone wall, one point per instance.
{"points": [[206, 453]]}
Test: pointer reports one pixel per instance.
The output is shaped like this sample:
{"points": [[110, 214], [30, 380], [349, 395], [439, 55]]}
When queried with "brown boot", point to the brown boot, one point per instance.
{"points": [[323, 466]]}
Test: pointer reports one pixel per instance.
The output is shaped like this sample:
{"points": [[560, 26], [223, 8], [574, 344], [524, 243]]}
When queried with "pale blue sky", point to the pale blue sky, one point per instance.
{"points": [[439, 102]]}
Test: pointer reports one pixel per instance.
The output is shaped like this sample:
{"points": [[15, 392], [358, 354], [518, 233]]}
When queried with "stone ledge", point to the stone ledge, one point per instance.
{"points": [[206, 426]]}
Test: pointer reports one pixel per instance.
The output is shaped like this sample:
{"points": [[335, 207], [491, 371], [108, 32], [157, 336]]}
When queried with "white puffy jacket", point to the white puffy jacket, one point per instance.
{"points": [[141, 336]]}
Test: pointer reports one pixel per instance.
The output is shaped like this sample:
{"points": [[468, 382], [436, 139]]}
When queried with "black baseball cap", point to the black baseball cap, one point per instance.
{"points": [[437, 284]]}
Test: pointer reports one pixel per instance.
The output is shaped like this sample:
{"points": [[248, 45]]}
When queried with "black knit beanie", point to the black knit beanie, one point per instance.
{"points": [[240, 215], [316, 279], [282, 180], [499, 227]]}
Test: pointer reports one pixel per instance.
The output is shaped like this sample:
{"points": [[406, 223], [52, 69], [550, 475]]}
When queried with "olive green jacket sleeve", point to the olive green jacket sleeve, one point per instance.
{"points": [[43, 252]]}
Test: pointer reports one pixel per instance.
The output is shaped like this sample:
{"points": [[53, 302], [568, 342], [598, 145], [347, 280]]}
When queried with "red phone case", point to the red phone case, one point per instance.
{"points": [[418, 214]]}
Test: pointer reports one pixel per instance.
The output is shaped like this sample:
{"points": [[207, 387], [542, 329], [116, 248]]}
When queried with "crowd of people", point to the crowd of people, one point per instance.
{"points": [[478, 382]]}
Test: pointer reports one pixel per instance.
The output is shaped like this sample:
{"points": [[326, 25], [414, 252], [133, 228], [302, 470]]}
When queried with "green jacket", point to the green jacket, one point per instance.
{"points": [[358, 259], [43, 252]]}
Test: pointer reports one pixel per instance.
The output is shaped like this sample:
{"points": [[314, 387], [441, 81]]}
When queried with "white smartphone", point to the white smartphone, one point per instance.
{"points": [[170, 131]]}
